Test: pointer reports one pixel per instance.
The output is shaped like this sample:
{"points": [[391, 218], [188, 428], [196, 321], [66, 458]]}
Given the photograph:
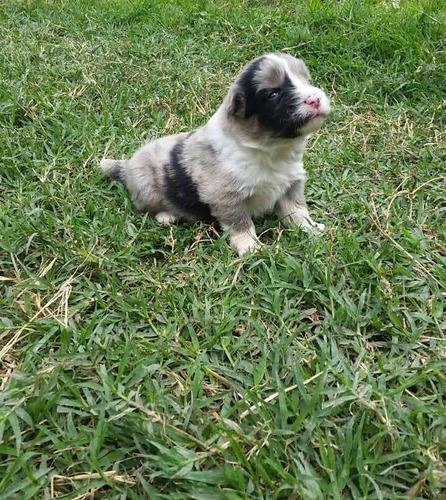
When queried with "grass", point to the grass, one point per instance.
{"points": [[144, 362]]}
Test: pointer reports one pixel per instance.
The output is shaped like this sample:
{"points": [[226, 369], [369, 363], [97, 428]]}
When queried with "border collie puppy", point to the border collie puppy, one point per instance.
{"points": [[246, 160]]}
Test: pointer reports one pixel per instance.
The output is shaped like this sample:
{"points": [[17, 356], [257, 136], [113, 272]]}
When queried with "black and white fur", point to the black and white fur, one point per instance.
{"points": [[247, 160]]}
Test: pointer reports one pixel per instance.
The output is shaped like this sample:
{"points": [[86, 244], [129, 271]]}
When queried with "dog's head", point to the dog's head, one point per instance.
{"points": [[274, 96]]}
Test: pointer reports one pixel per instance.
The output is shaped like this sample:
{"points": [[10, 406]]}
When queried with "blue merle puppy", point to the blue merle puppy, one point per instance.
{"points": [[247, 160]]}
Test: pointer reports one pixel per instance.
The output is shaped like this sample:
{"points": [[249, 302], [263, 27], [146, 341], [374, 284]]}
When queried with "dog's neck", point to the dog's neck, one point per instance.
{"points": [[275, 146], [272, 146]]}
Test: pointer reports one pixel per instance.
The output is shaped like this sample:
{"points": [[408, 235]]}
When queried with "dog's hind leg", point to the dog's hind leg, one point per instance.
{"points": [[166, 218]]}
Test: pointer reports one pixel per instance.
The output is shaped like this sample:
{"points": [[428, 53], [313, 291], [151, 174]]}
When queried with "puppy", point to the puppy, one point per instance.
{"points": [[247, 160]]}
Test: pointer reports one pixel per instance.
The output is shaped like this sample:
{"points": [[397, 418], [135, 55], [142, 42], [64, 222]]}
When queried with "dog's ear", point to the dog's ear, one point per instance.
{"points": [[237, 104]]}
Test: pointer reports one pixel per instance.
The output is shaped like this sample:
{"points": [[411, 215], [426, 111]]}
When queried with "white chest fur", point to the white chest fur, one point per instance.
{"points": [[261, 172], [263, 176], [269, 178]]}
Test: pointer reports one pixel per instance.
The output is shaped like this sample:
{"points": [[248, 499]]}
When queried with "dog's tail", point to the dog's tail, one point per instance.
{"points": [[113, 169]]}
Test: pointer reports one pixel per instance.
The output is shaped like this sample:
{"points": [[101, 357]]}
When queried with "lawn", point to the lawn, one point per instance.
{"points": [[138, 361]]}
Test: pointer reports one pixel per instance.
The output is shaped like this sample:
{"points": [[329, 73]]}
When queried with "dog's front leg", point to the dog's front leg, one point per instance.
{"points": [[242, 237], [236, 220], [292, 209]]}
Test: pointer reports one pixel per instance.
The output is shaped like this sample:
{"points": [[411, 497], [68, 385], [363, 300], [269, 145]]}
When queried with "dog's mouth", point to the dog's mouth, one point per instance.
{"points": [[311, 123], [318, 114], [306, 114], [301, 122]]}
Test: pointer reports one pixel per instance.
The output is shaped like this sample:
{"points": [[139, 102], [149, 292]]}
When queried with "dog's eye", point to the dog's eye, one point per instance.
{"points": [[273, 94]]}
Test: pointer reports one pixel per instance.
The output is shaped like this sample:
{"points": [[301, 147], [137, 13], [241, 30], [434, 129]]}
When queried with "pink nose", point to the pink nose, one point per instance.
{"points": [[314, 101]]}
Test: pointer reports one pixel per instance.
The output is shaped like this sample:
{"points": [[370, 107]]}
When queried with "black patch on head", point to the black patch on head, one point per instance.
{"points": [[245, 96], [277, 113], [180, 187]]}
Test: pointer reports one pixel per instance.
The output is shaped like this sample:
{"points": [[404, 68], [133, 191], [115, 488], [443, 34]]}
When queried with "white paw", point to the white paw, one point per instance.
{"points": [[309, 226], [318, 227], [244, 242], [165, 218]]}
